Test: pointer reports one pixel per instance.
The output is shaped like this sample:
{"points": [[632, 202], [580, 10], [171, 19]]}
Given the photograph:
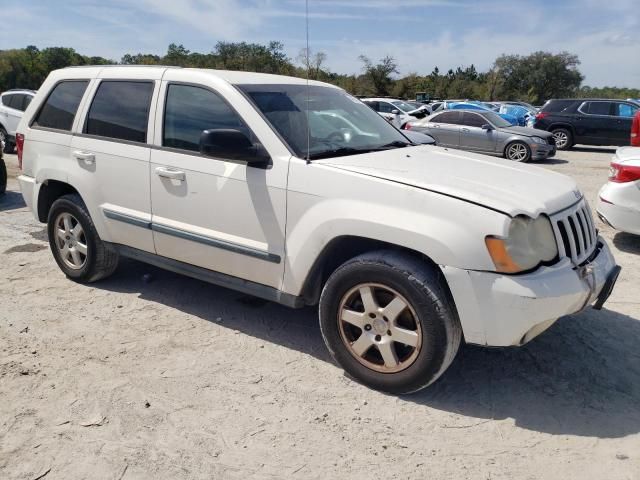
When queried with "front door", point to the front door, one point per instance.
{"points": [[473, 136], [214, 213], [445, 128]]}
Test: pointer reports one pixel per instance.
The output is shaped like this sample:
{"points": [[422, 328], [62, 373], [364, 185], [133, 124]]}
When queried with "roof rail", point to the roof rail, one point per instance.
{"points": [[121, 66]]}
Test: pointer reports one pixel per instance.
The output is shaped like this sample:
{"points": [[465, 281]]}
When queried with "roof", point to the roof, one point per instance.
{"points": [[382, 99], [17, 90]]}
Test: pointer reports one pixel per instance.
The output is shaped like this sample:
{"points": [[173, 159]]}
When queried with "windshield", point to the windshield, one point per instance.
{"points": [[404, 106], [496, 120], [338, 124]]}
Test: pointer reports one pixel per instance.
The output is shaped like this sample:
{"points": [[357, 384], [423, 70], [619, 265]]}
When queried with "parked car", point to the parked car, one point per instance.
{"points": [[12, 104], [486, 132], [635, 130], [479, 107], [396, 111], [419, 107], [587, 121], [520, 113], [218, 175], [619, 199], [3, 170]]}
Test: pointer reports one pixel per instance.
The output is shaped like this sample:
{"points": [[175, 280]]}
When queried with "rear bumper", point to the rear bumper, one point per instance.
{"points": [[619, 206], [28, 189], [505, 310]]}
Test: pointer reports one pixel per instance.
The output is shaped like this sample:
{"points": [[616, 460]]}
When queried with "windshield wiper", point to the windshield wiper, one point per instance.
{"points": [[338, 152], [394, 144]]}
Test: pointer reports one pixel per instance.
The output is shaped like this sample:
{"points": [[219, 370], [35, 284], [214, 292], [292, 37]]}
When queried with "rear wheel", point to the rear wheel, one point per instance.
{"points": [[75, 244], [563, 138], [389, 321], [518, 152], [4, 137]]}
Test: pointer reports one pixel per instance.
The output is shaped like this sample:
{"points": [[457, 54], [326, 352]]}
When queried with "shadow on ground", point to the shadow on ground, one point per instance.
{"points": [[11, 201], [548, 161], [627, 242], [582, 377], [611, 150]]}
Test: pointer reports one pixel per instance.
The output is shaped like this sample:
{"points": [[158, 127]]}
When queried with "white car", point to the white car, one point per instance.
{"points": [[395, 111], [407, 250], [12, 104], [619, 199]]}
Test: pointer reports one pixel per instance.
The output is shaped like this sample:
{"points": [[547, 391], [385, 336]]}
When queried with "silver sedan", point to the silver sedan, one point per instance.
{"points": [[486, 132]]}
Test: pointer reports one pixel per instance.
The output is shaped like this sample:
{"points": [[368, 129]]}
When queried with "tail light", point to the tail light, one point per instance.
{"points": [[635, 131], [19, 148], [621, 173], [541, 115], [407, 126]]}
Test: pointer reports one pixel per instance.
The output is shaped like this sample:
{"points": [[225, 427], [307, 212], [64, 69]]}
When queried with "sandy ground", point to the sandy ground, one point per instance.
{"points": [[153, 375]]}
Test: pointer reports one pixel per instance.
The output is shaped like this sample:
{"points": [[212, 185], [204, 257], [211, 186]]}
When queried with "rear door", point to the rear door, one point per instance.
{"points": [[111, 152], [473, 137], [623, 113], [445, 128]]}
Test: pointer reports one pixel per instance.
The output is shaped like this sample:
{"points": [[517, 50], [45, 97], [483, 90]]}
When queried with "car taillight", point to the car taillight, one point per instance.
{"points": [[635, 131], [541, 115], [621, 173], [407, 126], [19, 147]]}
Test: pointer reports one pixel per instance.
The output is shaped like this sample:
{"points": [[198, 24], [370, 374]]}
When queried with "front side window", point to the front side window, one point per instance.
{"points": [[386, 107], [297, 113], [625, 110], [120, 110], [472, 119], [190, 110], [61, 106]]}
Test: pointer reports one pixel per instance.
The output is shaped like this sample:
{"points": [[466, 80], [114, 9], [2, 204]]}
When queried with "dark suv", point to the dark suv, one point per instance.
{"points": [[587, 121]]}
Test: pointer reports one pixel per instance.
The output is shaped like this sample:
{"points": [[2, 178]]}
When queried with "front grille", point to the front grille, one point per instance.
{"points": [[575, 232]]}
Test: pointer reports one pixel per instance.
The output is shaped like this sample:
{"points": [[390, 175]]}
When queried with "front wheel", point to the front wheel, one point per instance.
{"points": [[388, 319], [75, 244], [518, 152], [563, 138]]}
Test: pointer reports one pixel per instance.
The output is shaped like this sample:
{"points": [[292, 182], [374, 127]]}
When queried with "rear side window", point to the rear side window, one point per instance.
{"points": [[625, 110], [190, 110], [447, 117], [120, 110], [597, 108], [472, 119], [60, 108], [14, 101]]}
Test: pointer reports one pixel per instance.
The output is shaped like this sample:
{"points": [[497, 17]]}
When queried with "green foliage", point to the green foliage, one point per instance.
{"points": [[534, 78]]}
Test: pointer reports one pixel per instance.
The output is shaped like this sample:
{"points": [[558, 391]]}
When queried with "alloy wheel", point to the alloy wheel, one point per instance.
{"points": [[561, 139], [70, 241], [517, 152], [379, 328]]}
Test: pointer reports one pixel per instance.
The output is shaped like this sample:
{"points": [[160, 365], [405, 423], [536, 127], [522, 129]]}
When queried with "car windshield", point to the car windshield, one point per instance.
{"points": [[496, 120], [404, 106], [321, 122]]}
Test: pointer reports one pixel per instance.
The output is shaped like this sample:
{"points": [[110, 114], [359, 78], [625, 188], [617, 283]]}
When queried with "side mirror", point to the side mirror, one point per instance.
{"points": [[487, 126], [233, 145], [395, 112]]}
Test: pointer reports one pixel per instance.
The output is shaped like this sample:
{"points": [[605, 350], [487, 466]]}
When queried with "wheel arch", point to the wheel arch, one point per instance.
{"points": [[49, 192], [510, 141], [567, 126]]}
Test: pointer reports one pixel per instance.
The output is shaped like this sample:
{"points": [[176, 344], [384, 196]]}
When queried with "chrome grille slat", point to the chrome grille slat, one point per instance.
{"points": [[575, 232]]}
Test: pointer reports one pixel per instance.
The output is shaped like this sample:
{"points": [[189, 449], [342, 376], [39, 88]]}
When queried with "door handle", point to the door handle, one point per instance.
{"points": [[86, 157], [168, 173]]}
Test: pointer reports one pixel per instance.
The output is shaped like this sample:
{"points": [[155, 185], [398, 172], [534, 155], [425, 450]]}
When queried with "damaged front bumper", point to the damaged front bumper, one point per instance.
{"points": [[505, 310]]}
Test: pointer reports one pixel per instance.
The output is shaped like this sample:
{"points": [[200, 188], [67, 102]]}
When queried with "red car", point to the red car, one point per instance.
{"points": [[635, 130]]}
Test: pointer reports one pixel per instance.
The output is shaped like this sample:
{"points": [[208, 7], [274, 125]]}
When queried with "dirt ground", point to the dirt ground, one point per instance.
{"points": [[153, 375]]}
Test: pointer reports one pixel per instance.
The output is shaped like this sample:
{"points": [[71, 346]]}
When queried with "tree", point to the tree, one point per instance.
{"points": [[380, 74], [312, 62]]}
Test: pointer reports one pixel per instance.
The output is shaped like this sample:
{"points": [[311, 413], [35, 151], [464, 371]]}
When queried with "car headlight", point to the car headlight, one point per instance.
{"points": [[538, 140], [528, 243]]}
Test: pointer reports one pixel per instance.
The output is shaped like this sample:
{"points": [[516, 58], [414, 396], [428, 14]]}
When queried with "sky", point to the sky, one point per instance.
{"points": [[419, 34]]}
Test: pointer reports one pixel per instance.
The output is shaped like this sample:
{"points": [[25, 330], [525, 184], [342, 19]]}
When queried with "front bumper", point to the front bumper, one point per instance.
{"points": [[504, 310], [540, 151]]}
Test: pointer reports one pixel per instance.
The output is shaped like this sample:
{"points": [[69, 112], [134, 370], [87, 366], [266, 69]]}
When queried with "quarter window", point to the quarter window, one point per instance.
{"points": [[190, 110], [120, 110], [60, 108]]}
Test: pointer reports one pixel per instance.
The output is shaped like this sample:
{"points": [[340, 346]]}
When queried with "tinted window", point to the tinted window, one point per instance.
{"points": [[26, 102], [120, 110], [597, 108], [191, 110], [373, 105], [625, 110], [447, 117], [387, 107], [60, 108], [14, 101], [472, 119], [557, 105]]}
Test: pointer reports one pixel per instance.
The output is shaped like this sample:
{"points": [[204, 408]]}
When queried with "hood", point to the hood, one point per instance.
{"points": [[508, 187], [527, 132]]}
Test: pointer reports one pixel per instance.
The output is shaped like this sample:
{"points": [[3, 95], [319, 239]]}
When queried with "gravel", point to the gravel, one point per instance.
{"points": [[152, 375]]}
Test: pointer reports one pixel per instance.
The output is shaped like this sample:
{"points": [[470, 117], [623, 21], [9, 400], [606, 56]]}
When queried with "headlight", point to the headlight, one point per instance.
{"points": [[538, 140], [529, 242]]}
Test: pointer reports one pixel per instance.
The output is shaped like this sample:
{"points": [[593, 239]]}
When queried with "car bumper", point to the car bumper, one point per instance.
{"points": [[28, 188], [508, 310], [619, 206], [540, 152]]}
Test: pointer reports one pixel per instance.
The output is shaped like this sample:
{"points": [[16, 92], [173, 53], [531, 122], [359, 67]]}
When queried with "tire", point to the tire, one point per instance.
{"points": [[8, 148], [3, 176], [99, 259], [517, 152], [428, 323], [563, 138]]}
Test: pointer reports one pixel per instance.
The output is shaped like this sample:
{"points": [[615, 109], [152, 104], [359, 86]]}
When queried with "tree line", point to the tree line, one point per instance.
{"points": [[533, 78]]}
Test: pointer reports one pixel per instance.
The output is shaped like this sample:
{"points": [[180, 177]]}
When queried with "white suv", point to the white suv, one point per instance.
{"points": [[238, 179], [12, 104]]}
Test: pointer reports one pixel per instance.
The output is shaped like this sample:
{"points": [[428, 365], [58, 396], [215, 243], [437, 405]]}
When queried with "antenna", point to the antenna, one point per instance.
{"points": [[307, 55]]}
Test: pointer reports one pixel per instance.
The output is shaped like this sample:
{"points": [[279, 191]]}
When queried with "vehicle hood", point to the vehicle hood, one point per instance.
{"points": [[508, 187], [527, 132]]}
